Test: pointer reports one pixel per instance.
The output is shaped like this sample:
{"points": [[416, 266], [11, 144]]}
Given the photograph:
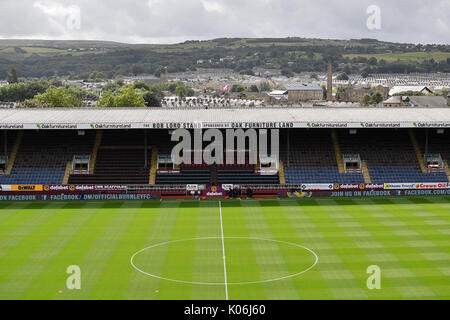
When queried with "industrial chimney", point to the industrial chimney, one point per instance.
{"points": [[330, 80]]}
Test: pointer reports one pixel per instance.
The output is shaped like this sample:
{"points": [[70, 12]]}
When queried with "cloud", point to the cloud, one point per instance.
{"points": [[167, 21]]}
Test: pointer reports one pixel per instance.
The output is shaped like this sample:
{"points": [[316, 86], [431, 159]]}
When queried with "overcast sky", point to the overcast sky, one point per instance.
{"points": [[169, 21]]}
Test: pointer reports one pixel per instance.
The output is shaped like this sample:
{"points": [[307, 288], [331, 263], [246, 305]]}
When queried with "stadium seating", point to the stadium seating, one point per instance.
{"points": [[404, 174], [244, 176], [437, 143], [34, 176], [120, 160], [389, 154], [320, 175], [43, 155], [312, 159]]}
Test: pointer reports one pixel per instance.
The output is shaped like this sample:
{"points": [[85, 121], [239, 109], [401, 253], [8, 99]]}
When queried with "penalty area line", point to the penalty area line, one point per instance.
{"points": [[223, 250]]}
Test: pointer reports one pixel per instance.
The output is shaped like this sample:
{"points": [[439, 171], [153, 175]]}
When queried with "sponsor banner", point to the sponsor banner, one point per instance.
{"points": [[27, 188], [168, 171], [215, 192], [74, 188], [227, 187], [317, 186], [433, 185], [382, 193], [223, 125], [192, 187], [411, 186], [399, 186], [4, 187], [358, 186], [267, 172]]}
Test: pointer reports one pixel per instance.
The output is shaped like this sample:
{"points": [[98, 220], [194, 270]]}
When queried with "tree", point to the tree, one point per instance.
{"points": [[12, 76], [128, 97], [253, 88], [313, 75], [287, 73], [410, 93], [59, 98], [141, 85], [181, 91], [324, 92], [366, 99], [265, 87], [377, 98], [18, 92], [373, 61], [237, 88], [151, 100], [113, 86], [343, 76]]}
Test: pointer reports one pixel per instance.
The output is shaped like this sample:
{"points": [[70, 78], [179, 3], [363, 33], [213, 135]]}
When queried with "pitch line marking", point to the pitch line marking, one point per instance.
{"points": [[316, 258], [223, 250]]}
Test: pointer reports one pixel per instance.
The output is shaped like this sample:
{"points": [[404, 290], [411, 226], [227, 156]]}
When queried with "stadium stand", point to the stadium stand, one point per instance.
{"points": [[389, 154], [120, 160], [312, 159], [43, 155]]}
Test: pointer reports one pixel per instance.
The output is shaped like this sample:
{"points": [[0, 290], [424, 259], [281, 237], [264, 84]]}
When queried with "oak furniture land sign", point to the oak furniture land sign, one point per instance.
{"points": [[225, 125]]}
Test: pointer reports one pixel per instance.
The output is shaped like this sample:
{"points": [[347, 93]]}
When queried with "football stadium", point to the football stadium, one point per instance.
{"points": [[352, 204]]}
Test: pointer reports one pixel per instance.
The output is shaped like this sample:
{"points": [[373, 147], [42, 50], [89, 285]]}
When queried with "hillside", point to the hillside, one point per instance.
{"points": [[84, 59]]}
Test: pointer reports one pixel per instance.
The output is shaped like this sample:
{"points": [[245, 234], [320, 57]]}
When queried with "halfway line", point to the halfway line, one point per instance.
{"points": [[223, 250]]}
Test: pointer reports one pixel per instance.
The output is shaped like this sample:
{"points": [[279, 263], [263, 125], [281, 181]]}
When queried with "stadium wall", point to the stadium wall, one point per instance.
{"points": [[121, 192]]}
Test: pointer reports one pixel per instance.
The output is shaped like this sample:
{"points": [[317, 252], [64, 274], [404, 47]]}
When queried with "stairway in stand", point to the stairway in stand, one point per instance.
{"points": [[214, 174], [116, 166]]}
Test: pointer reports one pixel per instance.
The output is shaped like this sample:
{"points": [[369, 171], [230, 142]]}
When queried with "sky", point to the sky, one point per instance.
{"points": [[172, 21]]}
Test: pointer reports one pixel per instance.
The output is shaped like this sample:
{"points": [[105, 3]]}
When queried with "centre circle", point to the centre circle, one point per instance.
{"points": [[247, 260]]}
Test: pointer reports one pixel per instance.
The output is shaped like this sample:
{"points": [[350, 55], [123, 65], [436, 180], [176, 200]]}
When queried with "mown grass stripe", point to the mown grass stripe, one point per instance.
{"points": [[72, 254], [116, 274], [348, 281], [271, 254], [36, 218], [18, 216], [303, 231], [241, 267], [179, 260], [33, 255], [391, 285], [422, 286], [9, 209], [431, 235], [141, 286], [208, 265]]}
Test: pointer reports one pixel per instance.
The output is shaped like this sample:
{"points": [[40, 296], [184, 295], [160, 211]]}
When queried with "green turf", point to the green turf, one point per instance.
{"points": [[408, 238]]}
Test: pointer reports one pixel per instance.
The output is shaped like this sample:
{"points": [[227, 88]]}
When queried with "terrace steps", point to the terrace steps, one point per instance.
{"points": [[97, 142], [281, 173], [154, 165], [67, 173], [14, 151], [418, 151], [337, 151], [365, 172], [447, 170]]}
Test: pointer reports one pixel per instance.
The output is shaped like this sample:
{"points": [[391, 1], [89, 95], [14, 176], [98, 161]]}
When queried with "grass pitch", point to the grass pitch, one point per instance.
{"points": [[309, 249]]}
